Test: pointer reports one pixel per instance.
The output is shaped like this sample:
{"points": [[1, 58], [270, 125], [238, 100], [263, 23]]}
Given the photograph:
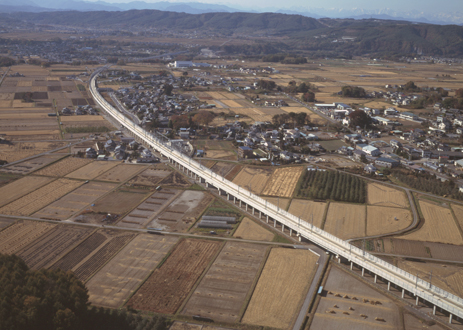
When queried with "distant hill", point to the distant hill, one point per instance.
{"points": [[325, 36]]}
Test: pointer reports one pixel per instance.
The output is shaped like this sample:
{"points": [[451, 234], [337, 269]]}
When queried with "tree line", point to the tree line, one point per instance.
{"points": [[428, 183], [57, 300], [333, 185]]}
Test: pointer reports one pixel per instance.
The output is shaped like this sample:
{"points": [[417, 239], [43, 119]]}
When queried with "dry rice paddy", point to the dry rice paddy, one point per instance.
{"points": [[253, 178], [283, 181], [121, 173], [248, 229], [345, 220], [64, 167], [20, 187], [40, 198], [308, 210], [383, 220], [281, 288], [385, 196], [439, 226], [92, 170]]}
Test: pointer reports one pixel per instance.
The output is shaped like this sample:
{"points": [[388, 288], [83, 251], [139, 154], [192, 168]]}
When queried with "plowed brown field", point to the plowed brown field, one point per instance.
{"points": [[172, 282]]}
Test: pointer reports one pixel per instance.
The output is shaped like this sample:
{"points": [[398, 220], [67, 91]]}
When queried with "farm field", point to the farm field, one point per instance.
{"points": [[20, 187], [233, 172], [64, 166], [140, 216], [253, 178], [51, 245], [345, 220], [92, 170], [151, 176], [84, 266], [383, 220], [217, 149], [40, 198], [175, 278], [30, 165], [191, 326], [20, 234], [248, 229], [419, 249], [5, 222], [121, 173], [439, 226], [385, 196], [222, 168], [183, 211], [282, 203], [66, 206], [281, 288], [308, 210], [113, 284], [332, 144], [283, 181], [19, 150], [347, 314], [444, 276], [223, 290], [119, 202], [458, 211], [175, 180]]}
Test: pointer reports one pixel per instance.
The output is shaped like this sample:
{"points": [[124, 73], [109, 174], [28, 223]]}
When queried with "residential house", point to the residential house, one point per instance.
{"points": [[386, 162]]}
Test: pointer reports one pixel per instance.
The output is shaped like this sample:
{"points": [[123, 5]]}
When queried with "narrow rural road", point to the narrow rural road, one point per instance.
{"points": [[322, 260], [44, 153]]}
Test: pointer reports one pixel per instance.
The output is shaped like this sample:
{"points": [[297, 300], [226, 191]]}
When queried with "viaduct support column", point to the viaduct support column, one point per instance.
{"points": [[363, 272], [283, 228], [267, 218], [351, 265], [434, 310], [388, 286], [417, 300], [403, 293], [450, 318]]}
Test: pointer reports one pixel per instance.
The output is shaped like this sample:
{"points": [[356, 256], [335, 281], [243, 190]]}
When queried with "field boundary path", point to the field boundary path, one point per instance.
{"points": [[43, 153], [342, 249], [411, 226]]}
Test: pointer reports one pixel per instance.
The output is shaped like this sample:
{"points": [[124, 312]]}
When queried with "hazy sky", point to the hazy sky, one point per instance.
{"points": [[396, 5]]}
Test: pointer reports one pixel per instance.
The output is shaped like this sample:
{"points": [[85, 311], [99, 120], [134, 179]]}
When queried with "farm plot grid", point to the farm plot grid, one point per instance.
{"points": [[151, 176], [20, 187], [71, 203], [5, 222], [172, 282], [20, 234], [308, 211], [383, 220], [281, 203], [121, 173], [64, 167], [346, 220], [51, 245], [31, 165], [223, 290], [439, 226], [283, 181], [19, 150], [248, 229], [281, 288], [149, 208], [385, 196], [92, 170], [40, 198], [253, 178], [113, 284], [182, 212]]}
